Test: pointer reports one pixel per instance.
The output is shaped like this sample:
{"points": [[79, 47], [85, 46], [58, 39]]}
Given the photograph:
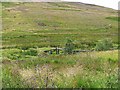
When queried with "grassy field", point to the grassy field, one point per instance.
{"points": [[91, 70], [31, 28]]}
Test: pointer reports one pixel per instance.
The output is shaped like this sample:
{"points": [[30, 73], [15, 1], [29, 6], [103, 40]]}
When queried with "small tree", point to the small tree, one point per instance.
{"points": [[103, 45], [69, 46]]}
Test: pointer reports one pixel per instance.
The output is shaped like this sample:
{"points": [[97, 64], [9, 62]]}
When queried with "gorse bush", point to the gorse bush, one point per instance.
{"points": [[103, 45]]}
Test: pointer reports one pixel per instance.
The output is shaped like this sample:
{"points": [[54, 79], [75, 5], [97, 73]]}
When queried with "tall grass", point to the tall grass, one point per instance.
{"points": [[85, 70]]}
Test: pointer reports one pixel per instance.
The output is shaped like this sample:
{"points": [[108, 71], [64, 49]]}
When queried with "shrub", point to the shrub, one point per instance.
{"points": [[31, 52], [103, 45], [69, 46]]}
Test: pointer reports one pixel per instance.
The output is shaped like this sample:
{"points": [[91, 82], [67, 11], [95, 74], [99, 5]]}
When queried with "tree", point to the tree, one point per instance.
{"points": [[69, 46]]}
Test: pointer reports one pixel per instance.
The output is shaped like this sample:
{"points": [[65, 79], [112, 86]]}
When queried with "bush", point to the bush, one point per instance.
{"points": [[31, 52], [69, 46], [103, 45]]}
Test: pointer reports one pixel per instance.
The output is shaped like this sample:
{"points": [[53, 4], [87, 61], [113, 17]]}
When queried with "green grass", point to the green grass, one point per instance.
{"points": [[113, 18], [8, 4], [9, 80], [95, 70], [31, 24]]}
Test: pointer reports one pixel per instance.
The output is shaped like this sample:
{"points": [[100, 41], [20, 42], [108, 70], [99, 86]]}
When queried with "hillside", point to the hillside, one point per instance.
{"points": [[50, 24]]}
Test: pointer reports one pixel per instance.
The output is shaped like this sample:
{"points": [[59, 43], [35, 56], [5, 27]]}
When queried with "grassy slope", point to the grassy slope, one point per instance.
{"points": [[50, 24]]}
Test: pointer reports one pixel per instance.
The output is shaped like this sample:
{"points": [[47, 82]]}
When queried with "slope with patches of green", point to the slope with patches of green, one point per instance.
{"points": [[50, 24]]}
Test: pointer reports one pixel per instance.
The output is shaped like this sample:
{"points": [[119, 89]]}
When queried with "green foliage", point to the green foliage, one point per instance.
{"points": [[89, 82], [31, 52], [103, 45], [69, 46], [11, 79], [112, 81]]}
